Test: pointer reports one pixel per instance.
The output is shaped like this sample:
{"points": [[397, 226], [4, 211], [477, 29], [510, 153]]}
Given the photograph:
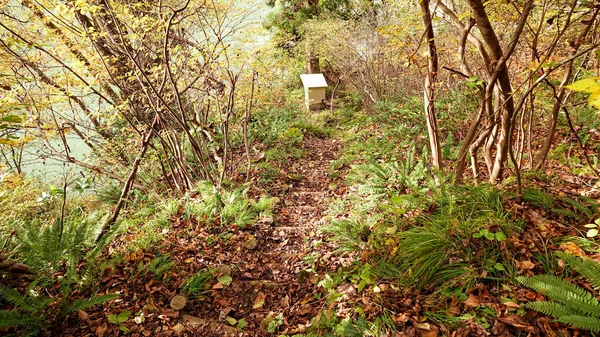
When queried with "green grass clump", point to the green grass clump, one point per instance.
{"points": [[197, 284], [422, 232]]}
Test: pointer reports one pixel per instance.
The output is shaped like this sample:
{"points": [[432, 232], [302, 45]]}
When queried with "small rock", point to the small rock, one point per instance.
{"points": [[251, 244], [225, 270], [268, 219], [178, 302], [178, 328]]}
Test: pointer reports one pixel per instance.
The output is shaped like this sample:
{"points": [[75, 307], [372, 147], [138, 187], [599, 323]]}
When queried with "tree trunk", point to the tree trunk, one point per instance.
{"points": [[429, 89], [501, 74], [312, 60], [560, 95]]}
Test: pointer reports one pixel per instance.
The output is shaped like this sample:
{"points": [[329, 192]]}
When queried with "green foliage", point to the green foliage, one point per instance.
{"points": [[18, 201], [538, 197], [569, 303], [450, 245], [585, 266], [109, 194], [438, 250], [232, 207], [196, 285], [68, 246], [577, 208], [588, 85], [384, 134], [580, 207], [33, 312], [157, 266], [119, 319], [83, 304], [592, 229]]}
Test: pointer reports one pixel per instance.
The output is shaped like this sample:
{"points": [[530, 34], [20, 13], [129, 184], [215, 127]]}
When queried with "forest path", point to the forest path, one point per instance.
{"points": [[262, 278], [274, 288]]}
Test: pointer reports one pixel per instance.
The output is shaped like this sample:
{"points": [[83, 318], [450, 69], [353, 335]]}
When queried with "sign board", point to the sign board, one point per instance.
{"points": [[313, 81]]}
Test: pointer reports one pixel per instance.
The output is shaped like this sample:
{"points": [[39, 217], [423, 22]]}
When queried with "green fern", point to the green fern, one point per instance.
{"points": [[31, 304], [538, 197], [582, 322], [86, 304], [159, 266], [578, 206], [68, 247], [563, 291], [569, 303], [549, 308], [196, 285], [585, 266], [31, 324]]}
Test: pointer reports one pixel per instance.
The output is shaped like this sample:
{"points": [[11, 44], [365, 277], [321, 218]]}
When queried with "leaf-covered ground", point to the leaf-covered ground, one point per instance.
{"points": [[272, 277], [274, 267]]}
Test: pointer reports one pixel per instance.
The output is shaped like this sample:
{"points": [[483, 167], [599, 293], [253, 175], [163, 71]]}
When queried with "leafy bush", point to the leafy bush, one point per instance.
{"points": [[459, 242], [420, 233]]}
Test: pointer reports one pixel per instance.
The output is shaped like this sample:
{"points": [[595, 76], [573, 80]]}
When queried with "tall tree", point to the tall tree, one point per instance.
{"points": [[289, 18]]}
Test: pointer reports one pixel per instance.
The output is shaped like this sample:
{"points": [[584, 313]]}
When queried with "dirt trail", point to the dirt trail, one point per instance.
{"points": [[272, 278], [273, 287]]}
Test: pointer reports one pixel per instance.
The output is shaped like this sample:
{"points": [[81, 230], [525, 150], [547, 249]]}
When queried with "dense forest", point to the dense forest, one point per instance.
{"points": [[165, 170]]}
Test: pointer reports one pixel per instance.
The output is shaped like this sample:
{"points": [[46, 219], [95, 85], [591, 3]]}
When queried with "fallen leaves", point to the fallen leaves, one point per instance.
{"points": [[472, 301], [524, 265], [518, 322], [259, 301]]}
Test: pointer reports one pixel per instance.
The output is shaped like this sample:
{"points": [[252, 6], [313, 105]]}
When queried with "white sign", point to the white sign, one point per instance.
{"points": [[313, 80]]}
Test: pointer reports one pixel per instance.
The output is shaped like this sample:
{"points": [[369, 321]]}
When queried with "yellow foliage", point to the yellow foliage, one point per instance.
{"points": [[589, 85]]}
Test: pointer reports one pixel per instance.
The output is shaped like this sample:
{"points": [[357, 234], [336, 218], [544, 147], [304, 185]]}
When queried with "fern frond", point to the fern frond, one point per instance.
{"points": [[582, 322], [12, 319], [585, 266], [550, 308], [581, 208], [18, 300], [377, 169], [86, 304], [591, 202], [565, 213], [563, 291], [9, 318]]}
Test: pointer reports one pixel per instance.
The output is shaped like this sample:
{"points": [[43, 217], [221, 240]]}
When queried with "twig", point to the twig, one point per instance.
{"points": [[581, 145]]}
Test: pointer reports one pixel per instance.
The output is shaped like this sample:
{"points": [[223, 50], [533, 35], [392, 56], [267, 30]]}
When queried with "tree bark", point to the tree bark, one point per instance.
{"points": [[500, 73], [312, 60], [429, 88]]}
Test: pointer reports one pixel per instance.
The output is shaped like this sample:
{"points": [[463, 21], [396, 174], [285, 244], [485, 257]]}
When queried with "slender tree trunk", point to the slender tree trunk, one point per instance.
{"points": [[429, 89], [560, 95], [312, 60], [501, 75], [129, 183]]}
